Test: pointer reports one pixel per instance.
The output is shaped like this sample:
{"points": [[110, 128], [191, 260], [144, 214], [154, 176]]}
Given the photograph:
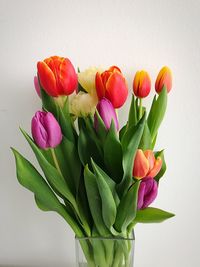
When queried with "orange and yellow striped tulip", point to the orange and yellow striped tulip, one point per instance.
{"points": [[164, 78], [146, 165], [141, 84]]}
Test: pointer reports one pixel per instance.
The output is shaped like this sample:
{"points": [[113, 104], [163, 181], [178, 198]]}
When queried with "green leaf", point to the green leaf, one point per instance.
{"points": [[87, 148], [164, 166], [94, 200], [152, 215], [54, 178], [113, 154], [122, 132], [145, 142], [69, 163], [110, 182], [65, 122], [101, 128], [132, 118], [127, 208], [154, 141], [157, 112], [48, 102], [83, 207], [130, 143], [108, 203], [30, 178]]}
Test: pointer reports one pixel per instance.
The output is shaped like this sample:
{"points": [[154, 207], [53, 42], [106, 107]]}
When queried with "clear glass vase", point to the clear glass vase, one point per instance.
{"points": [[105, 252]]}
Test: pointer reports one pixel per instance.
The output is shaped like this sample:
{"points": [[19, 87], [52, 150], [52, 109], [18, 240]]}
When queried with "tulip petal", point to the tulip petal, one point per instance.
{"points": [[116, 89], [107, 113], [53, 130], [99, 86], [150, 157], [156, 168], [141, 195], [67, 77], [38, 131], [114, 69], [37, 86], [151, 191], [47, 79], [141, 165], [136, 83]]}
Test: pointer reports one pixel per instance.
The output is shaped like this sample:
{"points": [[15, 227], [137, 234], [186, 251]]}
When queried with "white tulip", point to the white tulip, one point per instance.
{"points": [[83, 104], [87, 78]]}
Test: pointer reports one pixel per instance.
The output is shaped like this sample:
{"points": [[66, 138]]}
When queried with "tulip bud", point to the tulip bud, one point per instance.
{"points": [[46, 131], [164, 78], [37, 86], [107, 113], [147, 192], [57, 76], [112, 85], [145, 164], [141, 84]]}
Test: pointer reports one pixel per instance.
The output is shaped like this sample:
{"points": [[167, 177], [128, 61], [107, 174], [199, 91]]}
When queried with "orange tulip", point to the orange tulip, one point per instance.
{"points": [[57, 76], [112, 85], [164, 79], [141, 84], [146, 165]]}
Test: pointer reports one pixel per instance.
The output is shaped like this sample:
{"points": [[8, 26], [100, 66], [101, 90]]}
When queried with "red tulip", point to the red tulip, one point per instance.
{"points": [[112, 85], [141, 84], [164, 79], [145, 164], [57, 76]]}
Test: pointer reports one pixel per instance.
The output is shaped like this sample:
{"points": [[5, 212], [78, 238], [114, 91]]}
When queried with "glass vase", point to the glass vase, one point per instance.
{"points": [[105, 252]]}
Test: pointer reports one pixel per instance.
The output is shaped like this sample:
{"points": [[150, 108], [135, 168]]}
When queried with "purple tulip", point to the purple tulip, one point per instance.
{"points": [[45, 130], [107, 113], [147, 192], [37, 86]]}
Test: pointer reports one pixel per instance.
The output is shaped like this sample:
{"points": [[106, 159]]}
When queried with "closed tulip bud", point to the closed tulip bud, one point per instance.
{"points": [[112, 85], [141, 84], [107, 113], [164, 79], [147, 192], [37, 86], [145, 164], [57, 76], [46, 131]]}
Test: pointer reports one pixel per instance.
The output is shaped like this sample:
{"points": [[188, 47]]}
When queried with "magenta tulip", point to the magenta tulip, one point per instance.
{"points": [[37, 86], [46, 131], [147, 192], [107, 113]]}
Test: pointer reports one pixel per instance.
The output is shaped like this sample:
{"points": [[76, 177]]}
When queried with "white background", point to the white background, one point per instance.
{"points": [[133, 35]]}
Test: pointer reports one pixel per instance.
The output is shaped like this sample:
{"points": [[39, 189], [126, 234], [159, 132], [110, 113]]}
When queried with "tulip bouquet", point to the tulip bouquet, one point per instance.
{"points": [[100, 177]]}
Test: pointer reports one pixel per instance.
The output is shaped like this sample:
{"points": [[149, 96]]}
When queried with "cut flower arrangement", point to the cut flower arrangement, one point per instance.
{"points": [[99, 177]]}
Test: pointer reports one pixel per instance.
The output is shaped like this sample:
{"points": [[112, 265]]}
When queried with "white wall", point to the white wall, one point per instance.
{"points": [[133, 35]]}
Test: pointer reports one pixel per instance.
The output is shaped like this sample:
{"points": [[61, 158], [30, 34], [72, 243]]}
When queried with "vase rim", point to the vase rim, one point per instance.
{"points": [[131, 237]]}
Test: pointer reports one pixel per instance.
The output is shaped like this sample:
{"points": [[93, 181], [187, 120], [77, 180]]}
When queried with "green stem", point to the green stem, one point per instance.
{"points": [[140, 108], [55, 161]]}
